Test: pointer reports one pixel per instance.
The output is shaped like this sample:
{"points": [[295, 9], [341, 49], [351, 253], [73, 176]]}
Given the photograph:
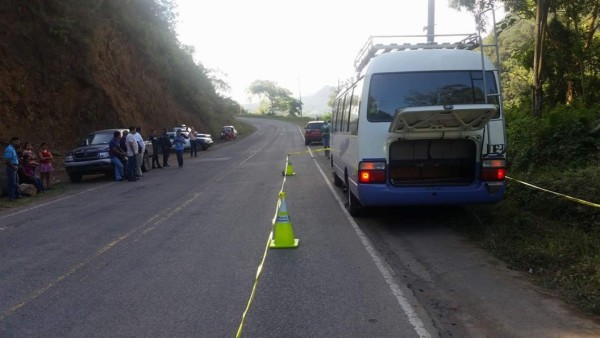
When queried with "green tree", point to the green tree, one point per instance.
{"points": [[541, 14], [279, 100], [516, 53], [564, 66]]}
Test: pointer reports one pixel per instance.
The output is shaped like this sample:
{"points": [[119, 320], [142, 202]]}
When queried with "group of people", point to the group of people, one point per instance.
{"points": [[127, 152], [23, 165]]}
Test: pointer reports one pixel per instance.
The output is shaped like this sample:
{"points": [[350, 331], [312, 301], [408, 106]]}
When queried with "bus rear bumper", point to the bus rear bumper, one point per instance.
{"points": [[388, 195]]}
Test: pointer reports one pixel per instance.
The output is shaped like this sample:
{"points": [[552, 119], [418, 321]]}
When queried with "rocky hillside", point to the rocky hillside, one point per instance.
{"points": [[71, 67]]}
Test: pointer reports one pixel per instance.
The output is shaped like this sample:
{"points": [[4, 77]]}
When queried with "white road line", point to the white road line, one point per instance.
{"points": [[413, 318]]}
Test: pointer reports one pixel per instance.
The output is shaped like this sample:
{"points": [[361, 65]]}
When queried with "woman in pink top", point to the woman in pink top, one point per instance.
{"points": [[45, 158]]}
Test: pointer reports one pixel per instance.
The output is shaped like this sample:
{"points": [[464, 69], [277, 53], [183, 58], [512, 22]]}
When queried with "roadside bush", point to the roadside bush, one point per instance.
{"points": [[580, 183], [564, 138]]}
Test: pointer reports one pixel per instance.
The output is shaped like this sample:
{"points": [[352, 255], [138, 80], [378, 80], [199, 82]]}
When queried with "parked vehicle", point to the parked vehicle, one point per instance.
{"points": [[183, 128], [312, 132], [204, 141], [92, 156], [422, 125], [228, 133]]}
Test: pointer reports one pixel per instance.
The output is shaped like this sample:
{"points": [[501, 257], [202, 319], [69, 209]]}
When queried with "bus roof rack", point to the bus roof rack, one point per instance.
{"points": [[377, 45]]}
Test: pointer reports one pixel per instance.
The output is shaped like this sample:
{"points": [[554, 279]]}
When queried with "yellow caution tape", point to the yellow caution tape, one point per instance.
{"points": [[309, 151], [557, 194], [254, 286], [262, 261]]}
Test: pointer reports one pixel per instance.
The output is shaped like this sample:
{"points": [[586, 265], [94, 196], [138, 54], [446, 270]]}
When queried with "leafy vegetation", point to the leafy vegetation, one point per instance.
{"points": [[151, 24], [548, 55], [562, 57]]}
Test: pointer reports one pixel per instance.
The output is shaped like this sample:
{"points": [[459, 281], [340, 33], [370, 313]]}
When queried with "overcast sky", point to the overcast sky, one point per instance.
{"points": [[301, 45]]}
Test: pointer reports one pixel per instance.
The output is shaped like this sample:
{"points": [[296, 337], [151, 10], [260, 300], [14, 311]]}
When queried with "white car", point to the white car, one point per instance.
{"points": [[204, 140]]}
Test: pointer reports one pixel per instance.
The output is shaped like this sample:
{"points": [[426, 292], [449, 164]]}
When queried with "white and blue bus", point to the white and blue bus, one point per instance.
{"points": [[421, 125]]}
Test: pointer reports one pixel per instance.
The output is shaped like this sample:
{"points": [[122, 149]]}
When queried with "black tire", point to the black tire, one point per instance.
{"points": [[353, 206], [306, 143], [337, 181], [75, 178]]}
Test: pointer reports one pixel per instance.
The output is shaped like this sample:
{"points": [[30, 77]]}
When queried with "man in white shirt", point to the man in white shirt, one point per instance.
{"points": [[193, 135], [141, 149], [132, 151]]}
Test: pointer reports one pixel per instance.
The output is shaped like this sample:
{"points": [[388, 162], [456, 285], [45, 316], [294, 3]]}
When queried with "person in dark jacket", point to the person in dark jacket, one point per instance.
{"points": [[155, 147], [123, 141], [165, 147]]}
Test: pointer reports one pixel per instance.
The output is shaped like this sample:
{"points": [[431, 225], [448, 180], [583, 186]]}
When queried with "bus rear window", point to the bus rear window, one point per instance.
{"points": [[392, 91]]}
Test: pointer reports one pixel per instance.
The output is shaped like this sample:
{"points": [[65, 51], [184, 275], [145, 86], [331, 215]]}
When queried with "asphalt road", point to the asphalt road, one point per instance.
{"points": [[177, 253]]}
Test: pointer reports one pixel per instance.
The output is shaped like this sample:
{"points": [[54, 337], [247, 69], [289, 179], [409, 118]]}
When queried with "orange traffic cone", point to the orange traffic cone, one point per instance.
{"points": [[283, 236], [289, 170]]}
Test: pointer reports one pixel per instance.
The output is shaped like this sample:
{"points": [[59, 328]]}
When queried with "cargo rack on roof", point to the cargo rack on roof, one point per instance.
{"points": [[377, 45]]}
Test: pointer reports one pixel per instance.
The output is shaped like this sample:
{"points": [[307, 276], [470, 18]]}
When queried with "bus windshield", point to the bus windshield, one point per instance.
{"points": [[390, 92]]}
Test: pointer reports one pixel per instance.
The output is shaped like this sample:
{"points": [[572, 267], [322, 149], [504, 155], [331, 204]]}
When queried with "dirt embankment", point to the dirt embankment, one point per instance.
{"points": [[57, 85], [58, 82]]}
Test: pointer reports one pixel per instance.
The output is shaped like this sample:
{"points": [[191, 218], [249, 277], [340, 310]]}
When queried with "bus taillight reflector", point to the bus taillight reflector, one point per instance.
{"points": [[493, 170], [371, 172]]}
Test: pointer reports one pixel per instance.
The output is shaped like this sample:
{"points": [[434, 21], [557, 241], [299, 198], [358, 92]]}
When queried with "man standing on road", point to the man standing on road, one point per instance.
{"points": [[325, 134], [12, 165], [116, 154], [193, 135], [141, 151], [132, 151], [165, 147], [155, 146]]}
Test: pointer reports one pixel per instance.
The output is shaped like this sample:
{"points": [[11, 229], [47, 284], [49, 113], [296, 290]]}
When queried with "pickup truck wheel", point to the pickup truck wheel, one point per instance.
{"points": [[75, 178]]}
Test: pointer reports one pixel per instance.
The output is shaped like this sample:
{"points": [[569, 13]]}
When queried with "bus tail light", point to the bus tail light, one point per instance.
{"points": [[493, 170], [371, 172]]}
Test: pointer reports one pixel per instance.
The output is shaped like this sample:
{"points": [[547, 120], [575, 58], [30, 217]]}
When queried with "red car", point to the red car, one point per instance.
{"points": [[312, 132], [228, 133]]}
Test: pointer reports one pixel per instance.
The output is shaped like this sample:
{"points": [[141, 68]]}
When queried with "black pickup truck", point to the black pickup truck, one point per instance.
{"points": [[93, 157]]}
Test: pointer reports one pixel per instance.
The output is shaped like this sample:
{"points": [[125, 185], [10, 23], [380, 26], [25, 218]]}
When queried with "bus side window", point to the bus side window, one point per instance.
{"points": [[342, 112], [336, 115], [350, 104], [354, 111]]}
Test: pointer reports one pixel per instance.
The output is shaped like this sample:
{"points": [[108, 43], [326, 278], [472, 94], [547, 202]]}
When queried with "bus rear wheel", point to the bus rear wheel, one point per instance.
{"points": [[337, 181], [353, 206]]}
